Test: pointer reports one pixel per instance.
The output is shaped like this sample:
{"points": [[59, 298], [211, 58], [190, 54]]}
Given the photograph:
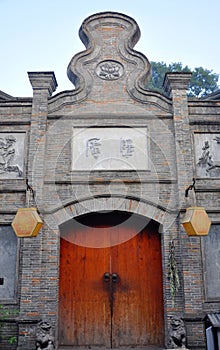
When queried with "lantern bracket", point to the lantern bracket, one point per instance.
{"points": [[29, 191], [190, 187]]}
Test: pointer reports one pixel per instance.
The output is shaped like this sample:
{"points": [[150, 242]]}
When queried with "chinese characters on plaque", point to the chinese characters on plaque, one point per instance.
{"points": [[110, 148]]}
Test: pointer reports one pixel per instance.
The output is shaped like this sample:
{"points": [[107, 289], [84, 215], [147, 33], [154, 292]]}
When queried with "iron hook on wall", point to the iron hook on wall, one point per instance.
{"points": [[190, 188]]}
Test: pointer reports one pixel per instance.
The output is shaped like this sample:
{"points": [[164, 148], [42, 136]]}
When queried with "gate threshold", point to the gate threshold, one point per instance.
{"points": [[101, 348]]}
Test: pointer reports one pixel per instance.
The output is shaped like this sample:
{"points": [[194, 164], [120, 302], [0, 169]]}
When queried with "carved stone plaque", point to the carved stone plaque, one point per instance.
{"points": [[207, 154], [11, 155], [110, 148]]}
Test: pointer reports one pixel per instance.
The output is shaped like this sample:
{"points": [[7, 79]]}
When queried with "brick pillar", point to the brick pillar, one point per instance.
{"points": [[44, 84], [32, 302], [176, 85]]}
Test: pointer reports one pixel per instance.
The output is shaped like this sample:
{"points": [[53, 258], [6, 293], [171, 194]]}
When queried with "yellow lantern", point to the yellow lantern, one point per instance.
{"points": [[27, 222], [196, 221]]}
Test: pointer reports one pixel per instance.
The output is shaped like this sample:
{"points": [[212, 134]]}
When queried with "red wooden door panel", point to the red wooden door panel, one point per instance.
{"points": [[84, 303], [137, 314], [95, 312]]}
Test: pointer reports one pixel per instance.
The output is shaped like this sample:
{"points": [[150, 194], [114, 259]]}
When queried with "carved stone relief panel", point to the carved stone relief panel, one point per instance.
{"points": [[11, 155], [109, 70], [207, 154], [8, 262], [110, 148]]}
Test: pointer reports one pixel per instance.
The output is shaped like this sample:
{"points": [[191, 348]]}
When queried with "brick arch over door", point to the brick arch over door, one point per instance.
{"points": [[100, 203]]}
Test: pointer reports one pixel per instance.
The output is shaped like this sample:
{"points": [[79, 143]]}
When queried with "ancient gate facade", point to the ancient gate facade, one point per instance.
{"points": [[109, 163]]}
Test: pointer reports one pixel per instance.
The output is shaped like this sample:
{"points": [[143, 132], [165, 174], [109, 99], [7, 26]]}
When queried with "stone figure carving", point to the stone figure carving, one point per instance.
{"points": [[215, 164], [7, 154], [45, 339], [177, 334], [206, 159], [217, 139]]}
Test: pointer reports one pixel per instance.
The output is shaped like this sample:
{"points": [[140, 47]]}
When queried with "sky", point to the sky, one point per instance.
{"points": [[42, 35]]}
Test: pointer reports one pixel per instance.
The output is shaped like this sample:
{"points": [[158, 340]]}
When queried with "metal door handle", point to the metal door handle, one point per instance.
{"points": [[115, 278], [106, 277]]}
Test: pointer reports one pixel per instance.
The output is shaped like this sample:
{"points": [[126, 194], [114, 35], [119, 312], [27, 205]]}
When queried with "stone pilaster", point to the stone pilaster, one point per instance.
{"points": [[175, 85], [43, 84], [32, 307]]}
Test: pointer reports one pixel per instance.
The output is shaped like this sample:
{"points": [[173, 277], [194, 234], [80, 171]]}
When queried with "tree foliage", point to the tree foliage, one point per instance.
{"points": [[203, 81]]}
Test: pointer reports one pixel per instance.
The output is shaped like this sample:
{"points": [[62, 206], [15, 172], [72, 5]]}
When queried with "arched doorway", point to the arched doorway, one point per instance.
{"points": [[110, 282]]}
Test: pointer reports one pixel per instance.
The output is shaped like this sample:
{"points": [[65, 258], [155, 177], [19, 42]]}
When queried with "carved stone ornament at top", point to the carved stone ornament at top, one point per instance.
{"points": [[109, 70], [109, 38]]}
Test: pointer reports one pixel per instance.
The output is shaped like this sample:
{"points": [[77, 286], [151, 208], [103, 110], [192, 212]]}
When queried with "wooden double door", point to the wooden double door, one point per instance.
{"points": [[110, 283]]}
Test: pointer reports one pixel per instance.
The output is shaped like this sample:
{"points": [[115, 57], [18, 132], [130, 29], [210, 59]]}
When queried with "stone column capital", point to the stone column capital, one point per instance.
{"points": [[176, 81], [43, 81]]}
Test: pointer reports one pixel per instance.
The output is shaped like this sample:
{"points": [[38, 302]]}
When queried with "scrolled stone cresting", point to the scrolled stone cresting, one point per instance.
{"points": [[109, 38]]}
